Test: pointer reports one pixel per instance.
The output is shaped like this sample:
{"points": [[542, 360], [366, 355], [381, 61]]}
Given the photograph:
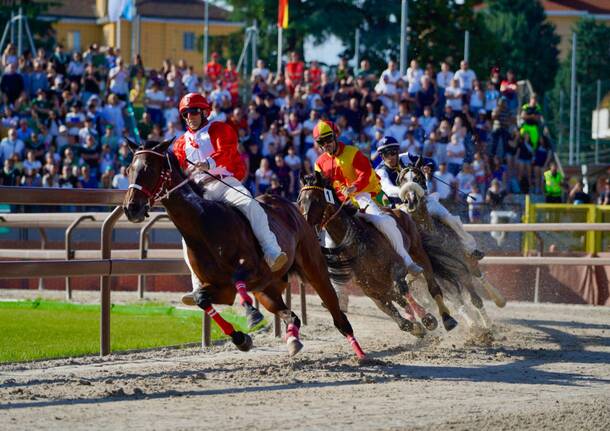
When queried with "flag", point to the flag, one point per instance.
{"points": [[124, 9], [282, 13]]}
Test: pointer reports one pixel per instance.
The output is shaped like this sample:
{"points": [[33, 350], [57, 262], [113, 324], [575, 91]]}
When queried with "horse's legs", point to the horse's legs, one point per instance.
{"points": [[311, 267], [420, 256], [389, 309], [204, 298], [491, 290], [271, 299], [252, 314], [411, 305], [418, 329]]}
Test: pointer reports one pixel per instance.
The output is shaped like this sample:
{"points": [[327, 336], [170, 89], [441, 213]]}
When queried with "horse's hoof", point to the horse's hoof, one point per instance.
{"points": [[242, 341], [418, 330], [449, 322], [254, 317], [406, 326], [294, 345], [429, 322]]}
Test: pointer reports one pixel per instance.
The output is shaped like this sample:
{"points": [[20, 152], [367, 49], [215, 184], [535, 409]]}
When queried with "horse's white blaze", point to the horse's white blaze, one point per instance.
{"points": [[410, 186]]}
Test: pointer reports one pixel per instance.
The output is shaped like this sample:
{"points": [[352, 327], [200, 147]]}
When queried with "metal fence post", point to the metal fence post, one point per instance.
{"points": [[43, 246], [144, 235], [106, 241], [69, 249]]}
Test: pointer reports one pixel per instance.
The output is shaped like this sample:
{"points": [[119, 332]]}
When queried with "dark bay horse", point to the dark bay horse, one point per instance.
{"points": [[365, 254], [412, 183], [222, 250]]}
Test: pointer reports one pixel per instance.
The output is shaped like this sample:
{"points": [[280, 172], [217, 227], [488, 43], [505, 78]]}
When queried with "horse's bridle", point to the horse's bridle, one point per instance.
{"points": [[325, 218], [160, 191]]}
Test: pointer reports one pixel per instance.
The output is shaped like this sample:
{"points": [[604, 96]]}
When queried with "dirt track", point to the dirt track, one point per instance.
{"points": [[548, 367]]}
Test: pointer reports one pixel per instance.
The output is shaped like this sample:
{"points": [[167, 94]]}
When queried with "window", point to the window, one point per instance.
{"points": [[188, 41], [74, 41]]}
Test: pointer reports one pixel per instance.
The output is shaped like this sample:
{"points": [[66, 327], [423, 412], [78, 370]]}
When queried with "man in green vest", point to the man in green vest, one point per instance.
{"points": [[553, 184]]}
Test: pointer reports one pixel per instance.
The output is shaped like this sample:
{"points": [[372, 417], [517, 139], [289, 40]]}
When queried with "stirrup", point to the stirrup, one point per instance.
{"points": [[188, 299]]}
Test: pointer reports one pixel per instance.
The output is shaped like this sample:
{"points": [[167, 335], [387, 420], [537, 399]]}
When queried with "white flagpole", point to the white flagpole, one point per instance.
{"points": [[279, 49]]}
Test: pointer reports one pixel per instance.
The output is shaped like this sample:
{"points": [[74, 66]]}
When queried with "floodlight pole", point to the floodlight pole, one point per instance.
{"points": [[206, 32], [598, 109], [357, 52], [404, 22], [572, 101]]}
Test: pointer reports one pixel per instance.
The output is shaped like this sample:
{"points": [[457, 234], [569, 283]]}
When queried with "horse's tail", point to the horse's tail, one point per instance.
{"points": [[445, 264]]}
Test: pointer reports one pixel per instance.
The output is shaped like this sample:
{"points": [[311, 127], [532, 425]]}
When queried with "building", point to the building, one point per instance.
{"points": [[565, 13], [168, 28]]}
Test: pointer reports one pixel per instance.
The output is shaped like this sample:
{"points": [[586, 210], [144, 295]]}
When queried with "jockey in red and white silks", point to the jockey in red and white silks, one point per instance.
{"points": [[212, 147]]}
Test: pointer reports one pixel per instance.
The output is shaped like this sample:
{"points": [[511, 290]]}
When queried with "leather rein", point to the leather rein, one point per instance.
{"points": [[160, 190], [325, 218]]}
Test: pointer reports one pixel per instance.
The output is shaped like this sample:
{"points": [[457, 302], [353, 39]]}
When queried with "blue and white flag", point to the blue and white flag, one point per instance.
{"points": [[125, 9]]}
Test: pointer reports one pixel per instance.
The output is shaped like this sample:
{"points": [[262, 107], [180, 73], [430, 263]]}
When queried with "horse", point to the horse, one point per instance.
{"points": [[221, 248], [412, 183], [365, 255]]}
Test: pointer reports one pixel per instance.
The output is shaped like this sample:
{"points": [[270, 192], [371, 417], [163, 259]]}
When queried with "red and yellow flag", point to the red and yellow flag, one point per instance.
{"points": [[282, 14]]}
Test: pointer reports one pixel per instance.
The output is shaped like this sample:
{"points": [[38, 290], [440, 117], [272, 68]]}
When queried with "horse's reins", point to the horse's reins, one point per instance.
{"points": [[157, 193], [325, 222], [217, 178]]}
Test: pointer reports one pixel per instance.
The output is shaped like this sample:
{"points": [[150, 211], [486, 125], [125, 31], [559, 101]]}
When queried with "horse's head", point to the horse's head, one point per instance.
{"points": [[149, 177], [412, 184], [316, 199]]}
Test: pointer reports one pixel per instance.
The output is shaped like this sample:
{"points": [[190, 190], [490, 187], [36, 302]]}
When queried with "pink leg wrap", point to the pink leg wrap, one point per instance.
{"points": [[244, 297], [409, 313], [292, 331], [356, 346], [419, 310], [225, 326]]}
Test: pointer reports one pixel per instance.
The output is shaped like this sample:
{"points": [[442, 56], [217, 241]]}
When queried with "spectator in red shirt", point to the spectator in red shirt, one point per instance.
{"points": [[509, 88], [315, 76], [295, 70], [213, 69]]}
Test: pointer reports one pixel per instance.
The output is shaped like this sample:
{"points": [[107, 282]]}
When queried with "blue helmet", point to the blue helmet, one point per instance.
{"points": [[387, 143]]}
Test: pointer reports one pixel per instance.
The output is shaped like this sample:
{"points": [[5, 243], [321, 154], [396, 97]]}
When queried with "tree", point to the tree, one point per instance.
{"points": [[592, 64], [436, 27], [42, 31], [526, 42]]}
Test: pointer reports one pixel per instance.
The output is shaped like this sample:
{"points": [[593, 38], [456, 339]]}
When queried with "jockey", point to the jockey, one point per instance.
{"points": [[393, 163], [212, 147], [353, 176]]}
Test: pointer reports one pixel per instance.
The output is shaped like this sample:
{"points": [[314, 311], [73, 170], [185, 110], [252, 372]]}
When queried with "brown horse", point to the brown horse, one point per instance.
{"points": [[412, 183], [221, 248], [364, 254]]}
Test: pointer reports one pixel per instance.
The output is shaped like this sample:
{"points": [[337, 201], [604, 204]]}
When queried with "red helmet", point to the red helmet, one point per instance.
{"points": [[194, 100], [325, 128]]}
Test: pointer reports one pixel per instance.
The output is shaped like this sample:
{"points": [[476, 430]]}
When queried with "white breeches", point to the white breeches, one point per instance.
{"points": [[437, 210], [384, 223], [248, 206]]}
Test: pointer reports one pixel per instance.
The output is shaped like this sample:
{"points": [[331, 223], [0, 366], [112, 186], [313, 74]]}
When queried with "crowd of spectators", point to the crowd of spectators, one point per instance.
{"points": [[64, 117]]}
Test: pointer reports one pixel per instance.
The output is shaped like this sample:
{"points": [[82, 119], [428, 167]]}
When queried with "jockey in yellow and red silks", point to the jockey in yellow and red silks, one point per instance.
{"points": [[353, 177]]}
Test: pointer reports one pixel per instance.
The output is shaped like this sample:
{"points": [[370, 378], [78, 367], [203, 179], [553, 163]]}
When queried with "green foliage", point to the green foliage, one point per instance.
{"points": [[42, 31], [43, 329], [592, 63], [436, 27], [525, 41]]}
